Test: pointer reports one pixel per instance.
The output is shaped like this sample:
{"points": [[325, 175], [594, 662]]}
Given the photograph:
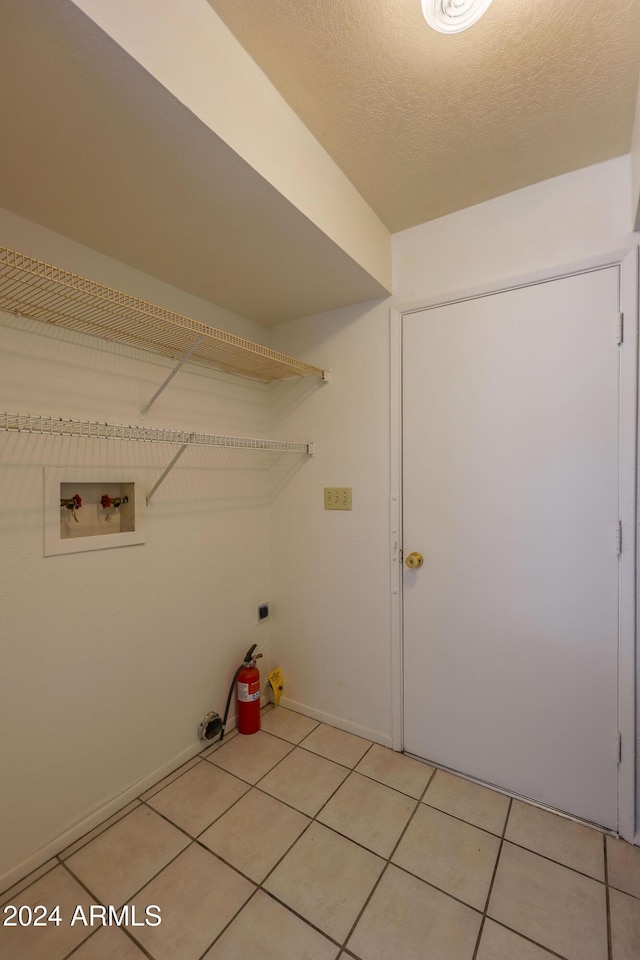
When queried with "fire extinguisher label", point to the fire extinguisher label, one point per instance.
{"points": [[249, 691]]}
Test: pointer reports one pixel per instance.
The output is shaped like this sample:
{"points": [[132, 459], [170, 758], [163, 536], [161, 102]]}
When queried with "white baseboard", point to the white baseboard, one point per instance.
{"points": [[96, 817], [340, 722]]}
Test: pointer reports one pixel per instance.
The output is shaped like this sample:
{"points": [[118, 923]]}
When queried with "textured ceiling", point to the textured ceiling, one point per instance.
{"points": [[424, 124]]}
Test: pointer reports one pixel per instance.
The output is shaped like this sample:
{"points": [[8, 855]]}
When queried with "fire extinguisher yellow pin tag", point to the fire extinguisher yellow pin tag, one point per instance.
{"points": [[276, 684]]}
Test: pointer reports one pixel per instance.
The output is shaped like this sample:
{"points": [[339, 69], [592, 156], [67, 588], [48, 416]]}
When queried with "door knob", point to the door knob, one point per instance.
{"points": [[414, 560]]}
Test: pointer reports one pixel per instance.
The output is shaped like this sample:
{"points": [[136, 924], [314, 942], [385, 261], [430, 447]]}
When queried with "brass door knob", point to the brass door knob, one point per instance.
{"points": [[414, 560]]}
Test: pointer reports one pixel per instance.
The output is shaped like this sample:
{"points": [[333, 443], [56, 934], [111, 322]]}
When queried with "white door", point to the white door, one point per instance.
{"points": [[510, 492]]}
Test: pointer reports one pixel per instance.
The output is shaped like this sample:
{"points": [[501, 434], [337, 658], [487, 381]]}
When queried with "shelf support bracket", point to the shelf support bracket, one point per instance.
{"points": [[194, 346], [166, 472]]}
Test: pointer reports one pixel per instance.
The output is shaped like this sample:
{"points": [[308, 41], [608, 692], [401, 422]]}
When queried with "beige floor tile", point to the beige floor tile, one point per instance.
{"points": [[51, 942], [469, 801], [250, 757], [498, 943], [255, 834], [169, 778], [327, 879], [83, 841], [123, 858], [266, 930], [288, 724], [407, 919], [625, 926], [201, 795], [369, 813], [395, 770], [550, 835], [198, 895], [336, 745], [624, 866], [454, 856], [551, 904], [304, 781], [109, 944]]}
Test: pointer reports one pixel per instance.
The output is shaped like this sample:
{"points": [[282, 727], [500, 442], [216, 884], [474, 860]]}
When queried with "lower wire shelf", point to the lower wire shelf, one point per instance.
{"points": [[92, 429], [95, 430]]}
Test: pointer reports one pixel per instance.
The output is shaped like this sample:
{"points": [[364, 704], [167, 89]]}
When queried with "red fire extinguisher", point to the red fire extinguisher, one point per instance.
{"points": [[246, 681], [248, 694]]}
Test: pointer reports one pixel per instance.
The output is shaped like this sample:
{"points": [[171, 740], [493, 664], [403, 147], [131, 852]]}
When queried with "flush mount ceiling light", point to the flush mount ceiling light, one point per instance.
{"points": [[452, 16]]}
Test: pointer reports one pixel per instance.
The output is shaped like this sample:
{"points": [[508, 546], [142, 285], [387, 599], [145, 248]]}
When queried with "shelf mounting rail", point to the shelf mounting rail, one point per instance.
{"points": [[96, 430]]}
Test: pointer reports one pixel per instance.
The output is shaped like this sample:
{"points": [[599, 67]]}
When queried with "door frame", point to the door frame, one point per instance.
{"points": [[627, 260]]}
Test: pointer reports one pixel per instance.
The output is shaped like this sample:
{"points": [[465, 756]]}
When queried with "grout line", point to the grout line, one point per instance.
{"points": [[96, 900], [535, 943], [612, 886], [305, 920], [296, 743], [493, 878], [490, 833], [170, 822], [227, 925], [558, 863], [143, 950], [276, 764]]}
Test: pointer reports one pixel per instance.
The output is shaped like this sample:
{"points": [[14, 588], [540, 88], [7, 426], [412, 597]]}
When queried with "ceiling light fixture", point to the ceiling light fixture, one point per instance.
{"points": [[452, 16]]}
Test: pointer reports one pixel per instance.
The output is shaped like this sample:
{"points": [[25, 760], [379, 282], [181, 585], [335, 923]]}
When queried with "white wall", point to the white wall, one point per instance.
{"points": [[330, 575], [556, 222], [635, 168], [330, 571], [111, 658]]}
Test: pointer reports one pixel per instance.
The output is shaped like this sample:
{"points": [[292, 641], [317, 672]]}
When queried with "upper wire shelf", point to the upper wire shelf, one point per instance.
{"points": [[41, 291]]}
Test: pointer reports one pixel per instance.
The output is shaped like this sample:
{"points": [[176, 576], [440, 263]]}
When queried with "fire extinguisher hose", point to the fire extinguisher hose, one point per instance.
{"points": [[247, 659]]}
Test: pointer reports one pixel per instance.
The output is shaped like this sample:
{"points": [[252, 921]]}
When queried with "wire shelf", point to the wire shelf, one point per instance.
{"points": [[59, 427], [41, 291]]}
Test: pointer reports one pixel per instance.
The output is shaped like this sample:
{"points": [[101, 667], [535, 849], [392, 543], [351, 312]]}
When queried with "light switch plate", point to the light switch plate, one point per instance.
{"points": [[337, 498]]}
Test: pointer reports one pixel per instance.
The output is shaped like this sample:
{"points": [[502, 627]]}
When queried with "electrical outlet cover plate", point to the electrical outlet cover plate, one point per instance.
{"points": [[337, 498]]}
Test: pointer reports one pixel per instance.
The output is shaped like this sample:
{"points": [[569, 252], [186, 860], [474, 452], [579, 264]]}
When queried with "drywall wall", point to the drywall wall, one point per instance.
{"points": [[331, 615], [111, 658], [191, 52], [555, 222], [635, 168], [331, 571]]}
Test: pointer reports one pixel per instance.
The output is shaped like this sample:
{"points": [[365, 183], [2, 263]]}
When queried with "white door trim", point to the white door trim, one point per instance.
{"points": [[628, 263]]}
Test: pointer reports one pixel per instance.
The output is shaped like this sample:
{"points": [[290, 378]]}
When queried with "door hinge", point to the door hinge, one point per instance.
{"points": [[619, 747], [619, 537], [620, 327]]}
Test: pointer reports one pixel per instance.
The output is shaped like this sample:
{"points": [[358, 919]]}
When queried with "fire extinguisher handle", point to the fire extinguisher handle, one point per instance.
{"points": [[249, 654]]}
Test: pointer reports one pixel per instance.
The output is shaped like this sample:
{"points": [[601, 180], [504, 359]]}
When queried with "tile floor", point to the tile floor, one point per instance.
{"points": [[308, 843]]}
